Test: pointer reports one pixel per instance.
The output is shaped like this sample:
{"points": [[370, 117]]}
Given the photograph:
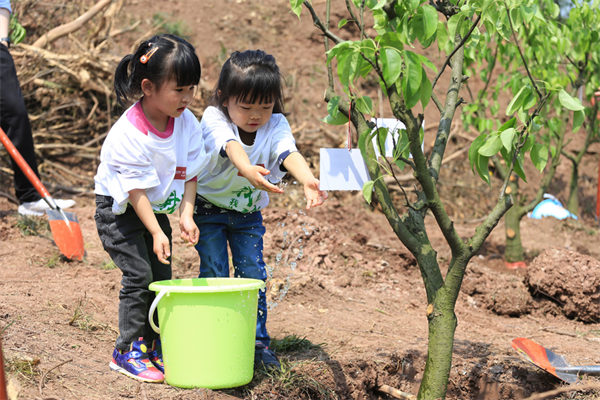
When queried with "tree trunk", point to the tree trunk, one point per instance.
{"points": [[573, 202], [514, 248], [442, 324]]}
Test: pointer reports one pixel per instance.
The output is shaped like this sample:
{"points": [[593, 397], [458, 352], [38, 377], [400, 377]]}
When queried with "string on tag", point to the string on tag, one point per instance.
{"points": [[350, 121]]}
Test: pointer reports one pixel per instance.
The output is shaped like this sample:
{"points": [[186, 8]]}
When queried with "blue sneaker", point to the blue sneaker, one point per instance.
{"points": [[265, 357], [155, 356], [136, 364]]}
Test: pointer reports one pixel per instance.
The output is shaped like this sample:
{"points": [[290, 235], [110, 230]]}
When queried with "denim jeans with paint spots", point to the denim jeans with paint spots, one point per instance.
{"points": [[244, 233]]}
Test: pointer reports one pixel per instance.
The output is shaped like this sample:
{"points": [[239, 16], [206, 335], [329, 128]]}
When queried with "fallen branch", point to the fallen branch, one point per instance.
{"points": [[396, 393], [41, 385], [72, 26]]}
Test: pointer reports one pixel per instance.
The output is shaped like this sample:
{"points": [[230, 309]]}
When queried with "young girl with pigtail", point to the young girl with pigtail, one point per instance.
{"points": [[251, 147], [149, 163]]}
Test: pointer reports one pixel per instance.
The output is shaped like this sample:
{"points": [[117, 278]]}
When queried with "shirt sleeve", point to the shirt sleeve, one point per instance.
{"points": [[216, 132], [283, 145], [197, 158], [132, 169]]}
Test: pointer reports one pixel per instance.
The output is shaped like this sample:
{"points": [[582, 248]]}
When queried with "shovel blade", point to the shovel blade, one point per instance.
{"points": [[66, 233], [543, 358]]}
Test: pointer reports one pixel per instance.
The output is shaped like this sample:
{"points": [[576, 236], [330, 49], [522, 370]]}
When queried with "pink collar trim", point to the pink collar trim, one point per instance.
{"points": [[136, 116]]}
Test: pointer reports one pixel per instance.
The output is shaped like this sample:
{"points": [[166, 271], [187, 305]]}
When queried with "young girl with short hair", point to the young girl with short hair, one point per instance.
{"points": [[251, 147], [149, 163]]}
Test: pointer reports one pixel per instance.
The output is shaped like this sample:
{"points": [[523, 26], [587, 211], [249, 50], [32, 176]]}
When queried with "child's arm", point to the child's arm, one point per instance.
{"points": [[143, 208], [254, 173], [189, 230], [297, 166]]}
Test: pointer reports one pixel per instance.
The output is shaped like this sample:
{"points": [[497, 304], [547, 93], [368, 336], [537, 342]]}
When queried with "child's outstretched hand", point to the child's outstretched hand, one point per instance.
{"points": [[255, 175], [189, 230], [314, 196], [162, 248]]}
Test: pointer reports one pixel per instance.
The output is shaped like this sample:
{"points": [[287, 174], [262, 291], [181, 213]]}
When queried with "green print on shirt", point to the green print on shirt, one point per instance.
{"points": [[247, 192], [171, 203]]}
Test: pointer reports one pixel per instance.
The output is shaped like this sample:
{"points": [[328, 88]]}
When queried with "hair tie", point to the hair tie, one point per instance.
{"points": [[144, 59]]}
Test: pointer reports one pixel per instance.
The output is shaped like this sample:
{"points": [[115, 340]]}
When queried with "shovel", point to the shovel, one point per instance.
{"points": [[552, 362], [64, 225]]}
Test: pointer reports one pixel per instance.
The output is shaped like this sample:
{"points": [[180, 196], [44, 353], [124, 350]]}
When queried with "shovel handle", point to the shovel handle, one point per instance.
{"points": [[14, 153], [3, 394]]}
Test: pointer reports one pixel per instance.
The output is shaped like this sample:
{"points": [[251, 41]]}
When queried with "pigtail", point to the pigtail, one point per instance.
{"points": [[122, 80]]}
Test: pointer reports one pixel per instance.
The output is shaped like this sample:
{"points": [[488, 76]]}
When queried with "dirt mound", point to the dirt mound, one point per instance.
{"points": [[569, 278], [501, 293]]}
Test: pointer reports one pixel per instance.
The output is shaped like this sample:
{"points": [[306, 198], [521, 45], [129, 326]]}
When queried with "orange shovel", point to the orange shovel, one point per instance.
{"points": [[64, 225]]}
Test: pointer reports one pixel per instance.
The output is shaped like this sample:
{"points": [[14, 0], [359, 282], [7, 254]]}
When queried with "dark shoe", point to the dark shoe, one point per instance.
{"points": [[265, 357]]}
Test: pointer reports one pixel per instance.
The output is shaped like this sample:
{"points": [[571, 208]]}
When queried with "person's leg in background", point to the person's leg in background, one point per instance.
{"points": [[14, 121]]}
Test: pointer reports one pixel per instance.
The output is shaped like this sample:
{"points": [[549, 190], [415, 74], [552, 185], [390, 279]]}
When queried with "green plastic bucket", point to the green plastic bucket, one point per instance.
{"points": [[207, 329]]}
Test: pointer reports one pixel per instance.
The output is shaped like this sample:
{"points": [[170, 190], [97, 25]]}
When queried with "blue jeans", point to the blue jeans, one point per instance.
{"points": [[244, 232]]}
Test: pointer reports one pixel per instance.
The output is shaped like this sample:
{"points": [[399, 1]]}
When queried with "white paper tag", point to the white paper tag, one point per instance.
{"points": [[393, 126], [342, 170]]}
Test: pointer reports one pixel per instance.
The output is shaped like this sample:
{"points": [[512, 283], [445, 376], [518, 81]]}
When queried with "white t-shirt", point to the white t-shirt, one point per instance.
{"points": [[220, 183], [137, 156]]}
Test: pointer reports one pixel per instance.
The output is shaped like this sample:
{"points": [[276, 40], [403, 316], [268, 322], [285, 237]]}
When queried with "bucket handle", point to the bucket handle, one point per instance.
{"points": [[153, 307]]}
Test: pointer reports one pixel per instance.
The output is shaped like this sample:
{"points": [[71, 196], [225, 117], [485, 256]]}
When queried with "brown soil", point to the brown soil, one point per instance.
{"points": [[354, 288]]}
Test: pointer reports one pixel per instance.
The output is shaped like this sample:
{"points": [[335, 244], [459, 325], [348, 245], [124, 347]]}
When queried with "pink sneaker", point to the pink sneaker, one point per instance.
{"points": [[136, 364]]}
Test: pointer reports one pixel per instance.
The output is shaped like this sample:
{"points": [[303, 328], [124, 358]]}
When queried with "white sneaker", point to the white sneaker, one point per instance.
{"points": [[38, 208]]}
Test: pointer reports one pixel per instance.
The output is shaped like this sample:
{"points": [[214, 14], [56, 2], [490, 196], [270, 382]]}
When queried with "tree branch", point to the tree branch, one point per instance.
{"points": [[460, 45], [537, 89], [321, 26]]}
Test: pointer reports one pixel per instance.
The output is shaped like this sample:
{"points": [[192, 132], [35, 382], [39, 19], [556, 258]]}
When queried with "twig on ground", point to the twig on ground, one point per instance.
{"points": [[41, 385], [396, 393]]}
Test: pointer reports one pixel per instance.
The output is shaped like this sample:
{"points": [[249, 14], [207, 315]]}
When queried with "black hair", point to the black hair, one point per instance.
{"points": [[166, 57], [249, 76]]}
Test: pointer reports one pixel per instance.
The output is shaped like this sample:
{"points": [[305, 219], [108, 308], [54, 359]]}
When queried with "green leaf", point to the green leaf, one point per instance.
{"points": [[427, 63], [426, 90], [507, 137], [474, 149], [539, 156], [528, 144], [333, 106], [296, 6], [483, 168], [367, 191], [337, 49], [511, 123], [430, 20], [518, 168], [491, 146], [529, 100], [527, 13], [516, 102], [569, 102], [379, 5], [391, 65], [365, 105], [340, 119], [411, 80], [342, 23], [485, 6], [442, 36], [453, 25], [578, 117], [413, 4]]}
